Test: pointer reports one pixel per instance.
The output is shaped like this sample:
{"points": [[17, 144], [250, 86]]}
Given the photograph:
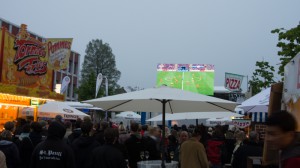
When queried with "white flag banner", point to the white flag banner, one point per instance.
{"points": [[233, 82], [98, 83], [64, 84]]}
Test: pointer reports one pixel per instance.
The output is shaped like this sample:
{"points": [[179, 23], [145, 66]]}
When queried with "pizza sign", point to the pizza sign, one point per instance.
{"points": [[241, 123], [233, 82]]}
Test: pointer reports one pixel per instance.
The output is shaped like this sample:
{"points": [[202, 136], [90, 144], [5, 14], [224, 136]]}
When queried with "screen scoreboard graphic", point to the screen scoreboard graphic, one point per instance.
{"points": [[198, 78]]}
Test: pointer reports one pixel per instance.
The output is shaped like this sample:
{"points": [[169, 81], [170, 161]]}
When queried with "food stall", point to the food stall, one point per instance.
{"points": [[26, 74]]}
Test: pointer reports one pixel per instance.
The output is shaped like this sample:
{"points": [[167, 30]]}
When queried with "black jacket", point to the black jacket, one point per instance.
{"points": [[11, 153], [53, 152], [83, 147], [134, 145], [107, 156], [244, 151]]}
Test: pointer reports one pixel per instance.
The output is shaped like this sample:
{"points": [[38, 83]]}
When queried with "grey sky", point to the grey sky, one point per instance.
{"points": [[231, 34]]}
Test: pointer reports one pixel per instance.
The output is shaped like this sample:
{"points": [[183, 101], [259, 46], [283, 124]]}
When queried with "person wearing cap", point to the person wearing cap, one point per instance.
{"points": [[192, 152], [53, 152]]}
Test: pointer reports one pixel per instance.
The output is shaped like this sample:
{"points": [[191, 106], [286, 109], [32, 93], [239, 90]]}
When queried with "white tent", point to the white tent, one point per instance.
{"points": [[51, 109], [129, 115], [195, 115], [257, 103]]}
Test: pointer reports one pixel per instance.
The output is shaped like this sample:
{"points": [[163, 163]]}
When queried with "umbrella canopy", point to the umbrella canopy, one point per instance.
{"points": [[152, 100], [162, 99], [51, 109], [257, 103], [128, 115], [195, 115]]}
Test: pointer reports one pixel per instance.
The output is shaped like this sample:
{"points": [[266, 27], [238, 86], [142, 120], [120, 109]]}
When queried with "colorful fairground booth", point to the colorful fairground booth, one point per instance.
{"points": [[26, 73]]}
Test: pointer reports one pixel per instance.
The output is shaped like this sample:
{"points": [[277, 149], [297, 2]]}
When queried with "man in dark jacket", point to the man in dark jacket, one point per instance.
{"points": [[108, 156], [53, 152], [250, 148], [134, 145], [84, 145], [282, 135]]}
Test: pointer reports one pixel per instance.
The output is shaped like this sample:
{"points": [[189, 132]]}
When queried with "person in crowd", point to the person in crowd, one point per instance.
{"points": [[184, 128], [2, 160], [99, 134], [175, 127], [44, 125], [119, 146], [282, 135], [151, 144], [53, 152], [144, 130], [134, 145], [76, 132], [25, 146], [68, 126], [173, 141], [84, 145], [123, 136], [9, 149], [192, 152], [250, 148], [19, 125], [108, 156], [227, 148], [205, 135], [214, 147], [9, 126], [239, 137], [36, 133], [59, 118], [183, 136]]}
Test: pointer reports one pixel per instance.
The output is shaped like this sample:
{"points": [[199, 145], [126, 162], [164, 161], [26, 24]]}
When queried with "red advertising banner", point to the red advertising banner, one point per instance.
{"points": [[24, 68]]}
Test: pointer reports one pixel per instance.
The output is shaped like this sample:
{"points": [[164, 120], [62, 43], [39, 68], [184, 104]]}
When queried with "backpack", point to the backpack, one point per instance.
{"points": [[214, 151]]}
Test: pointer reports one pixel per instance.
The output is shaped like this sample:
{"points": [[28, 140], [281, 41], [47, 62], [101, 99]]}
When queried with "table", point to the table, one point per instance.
{"points": [[156, 164]]}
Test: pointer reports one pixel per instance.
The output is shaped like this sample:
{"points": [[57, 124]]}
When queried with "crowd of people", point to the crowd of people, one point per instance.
{"points": [[83, 144]]}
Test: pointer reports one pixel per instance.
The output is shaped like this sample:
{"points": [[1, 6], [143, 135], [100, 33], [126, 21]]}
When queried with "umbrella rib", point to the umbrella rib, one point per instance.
{"points": [[118, 105], [169, 102], [218, 106]]}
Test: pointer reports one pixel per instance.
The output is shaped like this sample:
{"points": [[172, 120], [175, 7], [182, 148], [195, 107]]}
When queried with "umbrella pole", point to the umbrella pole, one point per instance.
{"points": [[163, 134]]}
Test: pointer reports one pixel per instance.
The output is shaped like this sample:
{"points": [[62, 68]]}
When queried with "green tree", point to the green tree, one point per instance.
{"points": [[262, 77], [98, 59], [289, 44]]}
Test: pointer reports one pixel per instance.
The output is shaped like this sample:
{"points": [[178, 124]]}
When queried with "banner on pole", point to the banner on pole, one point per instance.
{"points": [[233, 82], [98, 83], [64, 85]]}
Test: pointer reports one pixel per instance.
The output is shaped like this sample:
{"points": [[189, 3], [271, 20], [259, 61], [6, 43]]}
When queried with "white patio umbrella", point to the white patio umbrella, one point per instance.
{"points": [[129, 115], [257, 103], [51, 109], [195, 115], [162, 99]]}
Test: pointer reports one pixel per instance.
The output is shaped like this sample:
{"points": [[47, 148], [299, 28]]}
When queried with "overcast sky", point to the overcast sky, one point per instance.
{"points": [[231, 34]]}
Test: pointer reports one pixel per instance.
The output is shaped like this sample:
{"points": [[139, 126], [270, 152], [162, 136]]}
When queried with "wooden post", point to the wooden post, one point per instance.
{"points": [[270, 157]]}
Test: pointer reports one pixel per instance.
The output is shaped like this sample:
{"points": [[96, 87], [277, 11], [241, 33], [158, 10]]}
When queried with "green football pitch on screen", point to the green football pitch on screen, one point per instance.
{"points": [[198, 82]]}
